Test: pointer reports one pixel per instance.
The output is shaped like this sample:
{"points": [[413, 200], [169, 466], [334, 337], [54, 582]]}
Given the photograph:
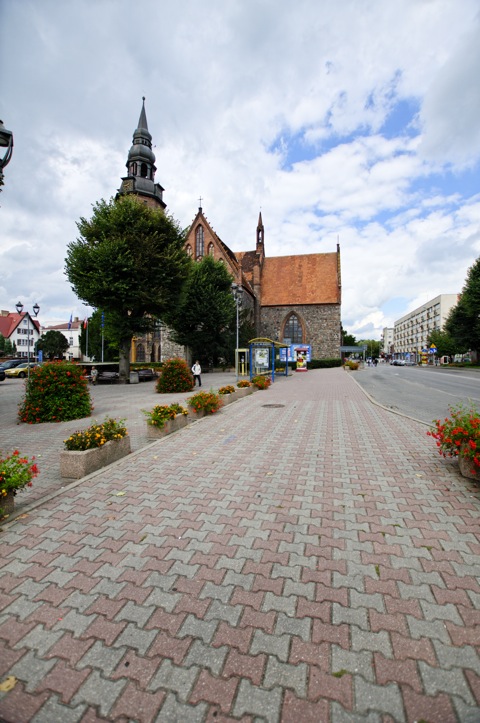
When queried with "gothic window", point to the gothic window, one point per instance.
{"points": [[143, 170], [199, 241], [293, 329], [189, 250], [140, 353], [210, 249]]}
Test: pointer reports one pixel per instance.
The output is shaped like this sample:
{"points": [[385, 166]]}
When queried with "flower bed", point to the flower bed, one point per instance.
{"points": [[204, 403], [90, 449], [16, 473], [164, 419], [459, 436], [261, 382]]}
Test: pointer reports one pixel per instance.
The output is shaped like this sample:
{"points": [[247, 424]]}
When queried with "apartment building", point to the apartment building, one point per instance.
{"points": [[411, 332]]}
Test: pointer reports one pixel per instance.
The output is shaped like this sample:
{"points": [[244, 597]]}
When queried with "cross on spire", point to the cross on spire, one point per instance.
{"points": [[200, 203]]}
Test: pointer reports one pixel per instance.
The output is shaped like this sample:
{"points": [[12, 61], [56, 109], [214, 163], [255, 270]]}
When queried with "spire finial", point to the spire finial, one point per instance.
{"points": [[200, 203]]}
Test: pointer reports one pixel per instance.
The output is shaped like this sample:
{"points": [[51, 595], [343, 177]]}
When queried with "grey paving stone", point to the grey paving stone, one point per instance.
{"points": [[20, 608], [299, 589], [79, 601], [179, 568], [446, 611], [286, 676], [217, 592], [109, 588], [280, 603], [278, 645], [100, 692], [229, 613], [465, 713], [54, 711], [340, 715], [238, 580], [74, 621], [205, 656], [174, 711], [299, 627], [266, 704], [290, 573], [434, 629], [138, 614], [355, 662], [31, 670], [133, 637], [161, 599], [368, 601], [174, 678], [39, 639], [386, 699], [352, 616], [452, 657], [450, 681], [102, 657], [195, 628], [363, 640]]}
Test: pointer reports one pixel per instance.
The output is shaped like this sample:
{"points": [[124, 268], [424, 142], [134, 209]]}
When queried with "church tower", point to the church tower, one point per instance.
{"points": [[141, 167]]}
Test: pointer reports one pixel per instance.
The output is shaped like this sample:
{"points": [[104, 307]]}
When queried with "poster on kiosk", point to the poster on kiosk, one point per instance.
{"points": [[301, 354]]}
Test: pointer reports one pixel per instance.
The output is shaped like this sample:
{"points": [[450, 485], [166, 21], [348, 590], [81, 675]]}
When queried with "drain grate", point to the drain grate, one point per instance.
{"points": [[273, 406]]}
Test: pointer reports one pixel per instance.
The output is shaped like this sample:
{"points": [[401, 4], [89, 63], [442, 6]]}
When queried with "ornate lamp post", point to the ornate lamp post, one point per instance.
{"points": [[36, 309], [237, 295], [6, 141]]}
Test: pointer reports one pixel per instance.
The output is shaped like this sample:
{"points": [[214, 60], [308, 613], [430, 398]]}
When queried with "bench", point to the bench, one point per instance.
{"points": [[109, 377], [145, 375]]}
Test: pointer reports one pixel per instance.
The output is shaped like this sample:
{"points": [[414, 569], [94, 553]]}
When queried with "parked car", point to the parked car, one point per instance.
{"points": [[10, 363], [21, 371], [398, 362], [2, 374]]}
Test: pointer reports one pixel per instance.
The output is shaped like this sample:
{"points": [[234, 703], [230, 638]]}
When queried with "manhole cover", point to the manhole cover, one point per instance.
{"points": [[273, 406]]}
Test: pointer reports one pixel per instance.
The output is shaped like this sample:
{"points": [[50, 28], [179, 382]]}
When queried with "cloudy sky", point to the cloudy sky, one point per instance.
{"points": [[343, 121]]}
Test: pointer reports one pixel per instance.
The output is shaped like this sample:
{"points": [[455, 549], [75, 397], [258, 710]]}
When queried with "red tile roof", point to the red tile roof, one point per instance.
{"points": [[300, 280]]}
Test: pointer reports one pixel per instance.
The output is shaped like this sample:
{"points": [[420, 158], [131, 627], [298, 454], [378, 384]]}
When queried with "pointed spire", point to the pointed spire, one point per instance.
{"points": [[142, 121], [260, 232]]}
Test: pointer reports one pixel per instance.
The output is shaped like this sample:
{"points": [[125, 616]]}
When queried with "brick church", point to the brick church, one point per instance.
{"points": [[292, 298]]}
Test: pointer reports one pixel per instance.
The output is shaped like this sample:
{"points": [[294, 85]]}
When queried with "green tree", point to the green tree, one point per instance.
{"points": [[94, 333], [205, 316], [373, 347], [53, 344], [463, 321], [348, 339], [129, 261], [446, 346]]}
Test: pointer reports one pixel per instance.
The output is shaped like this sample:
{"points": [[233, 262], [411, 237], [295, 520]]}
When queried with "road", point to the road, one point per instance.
{"points": [[424, 393]]}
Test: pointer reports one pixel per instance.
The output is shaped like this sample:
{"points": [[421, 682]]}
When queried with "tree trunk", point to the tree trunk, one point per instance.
{"points": [[124, 360]]}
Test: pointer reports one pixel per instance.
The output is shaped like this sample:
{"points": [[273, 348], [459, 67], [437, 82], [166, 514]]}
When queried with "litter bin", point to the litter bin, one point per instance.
{"points": [[134, 378]]}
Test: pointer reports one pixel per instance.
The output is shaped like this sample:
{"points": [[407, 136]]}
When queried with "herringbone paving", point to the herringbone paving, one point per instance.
{"points": [[304, 555]]}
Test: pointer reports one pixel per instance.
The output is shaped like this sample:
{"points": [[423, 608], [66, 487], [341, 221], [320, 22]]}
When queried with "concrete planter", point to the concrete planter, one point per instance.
{"points": [[76, 465], [7, 503], [173, 425], [468, 469], [243, 392]]}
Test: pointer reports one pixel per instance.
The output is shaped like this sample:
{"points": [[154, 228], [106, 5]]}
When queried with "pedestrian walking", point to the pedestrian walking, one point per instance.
{"points": [[196, 371], [94, 375]]}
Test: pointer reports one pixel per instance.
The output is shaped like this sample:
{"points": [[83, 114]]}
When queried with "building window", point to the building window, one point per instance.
{"points": [[199, 241], [140, 353], [210, 249], [143, 170], [293, 330], [189, 250]]}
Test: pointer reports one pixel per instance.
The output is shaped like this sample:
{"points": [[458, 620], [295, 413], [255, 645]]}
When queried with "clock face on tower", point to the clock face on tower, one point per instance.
{"points": [[127, 186]]}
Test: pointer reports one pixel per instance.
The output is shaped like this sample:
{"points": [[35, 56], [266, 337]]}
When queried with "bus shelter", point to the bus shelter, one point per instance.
{"points": [[262, 355]]}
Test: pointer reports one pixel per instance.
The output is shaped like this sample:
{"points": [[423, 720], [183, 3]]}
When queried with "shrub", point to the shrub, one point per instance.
{"points": [[243, 383], [352, 364], [227, 390], [96, 435], [163, 413], [207, 402], [261, 382], [175, 376], [16, 473], [324, 363], [56, 392]]}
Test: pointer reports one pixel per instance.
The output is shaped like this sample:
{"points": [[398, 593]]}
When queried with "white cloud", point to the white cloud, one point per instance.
{"points": [[344, 121]]}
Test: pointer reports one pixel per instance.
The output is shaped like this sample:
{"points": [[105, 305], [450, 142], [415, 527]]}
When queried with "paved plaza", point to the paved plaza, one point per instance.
{"points": [[303, 556]]}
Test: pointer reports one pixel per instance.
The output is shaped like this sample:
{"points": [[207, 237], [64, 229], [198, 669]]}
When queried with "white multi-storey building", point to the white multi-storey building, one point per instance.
{"points": [[412, 331], [386, 342]]}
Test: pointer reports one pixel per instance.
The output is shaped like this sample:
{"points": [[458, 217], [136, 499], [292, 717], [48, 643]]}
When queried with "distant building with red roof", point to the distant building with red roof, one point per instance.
{"points": [[22, 330]]}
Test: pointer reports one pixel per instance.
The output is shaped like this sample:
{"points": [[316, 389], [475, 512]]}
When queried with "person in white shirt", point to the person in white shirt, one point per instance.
{"points": [[196, 371]]}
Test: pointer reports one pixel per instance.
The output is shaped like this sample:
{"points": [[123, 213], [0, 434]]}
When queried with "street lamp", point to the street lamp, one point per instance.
{"points": [[6, 141], [36, 309], [237, 295]]}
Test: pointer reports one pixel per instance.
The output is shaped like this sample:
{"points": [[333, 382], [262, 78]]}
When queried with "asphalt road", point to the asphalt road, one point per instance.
{"points": [[424, 393]]}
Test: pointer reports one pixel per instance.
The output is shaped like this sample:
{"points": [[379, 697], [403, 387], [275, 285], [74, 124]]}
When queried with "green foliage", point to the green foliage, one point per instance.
{"points": [[6, 346], [16, 472], [373, 347], [53, 344], [353, 365], [445, 344], [463, 321], [459, 434], [348, 339], [161, 414], [207, 402], [129, 261], [96, 435], [228, 389], [205, 316], [94, 333], [175, 376], [56, 392], [261, 382]]}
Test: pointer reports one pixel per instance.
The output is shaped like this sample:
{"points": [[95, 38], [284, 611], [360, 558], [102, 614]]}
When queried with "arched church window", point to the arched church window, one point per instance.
{"points": [[134, 169], [143, 170], [293, 329], [199, 242], [189, 250], [140, 353], [210, 249]]}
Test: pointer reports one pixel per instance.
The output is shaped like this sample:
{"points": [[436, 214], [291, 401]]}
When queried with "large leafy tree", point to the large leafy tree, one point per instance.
{"points": [[53, 344], [463, 322], [444, 343], [205, 316], [129, 261]]}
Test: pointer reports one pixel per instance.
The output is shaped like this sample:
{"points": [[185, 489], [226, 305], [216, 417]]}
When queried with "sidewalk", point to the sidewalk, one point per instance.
{"points": [[304, 555]]}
